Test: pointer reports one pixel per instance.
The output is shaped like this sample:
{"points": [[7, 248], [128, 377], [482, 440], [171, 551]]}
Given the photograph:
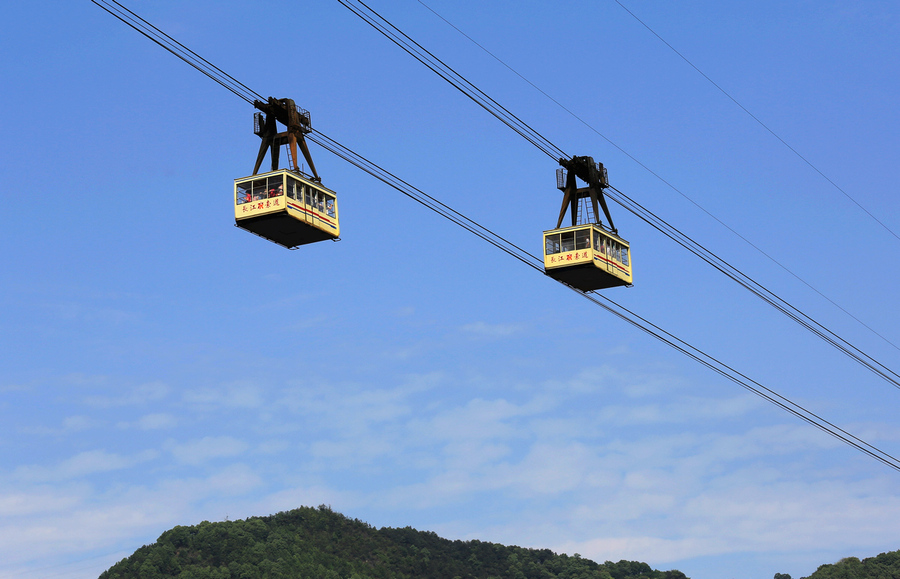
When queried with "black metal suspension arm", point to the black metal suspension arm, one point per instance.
{"points": [[298, 124], [594, 175]]}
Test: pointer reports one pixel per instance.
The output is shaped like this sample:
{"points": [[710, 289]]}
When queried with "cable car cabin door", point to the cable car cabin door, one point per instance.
{"points": [[602, 244]]}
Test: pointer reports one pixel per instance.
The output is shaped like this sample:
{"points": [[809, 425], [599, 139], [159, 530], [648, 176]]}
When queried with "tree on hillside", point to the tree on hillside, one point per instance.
{"points": [[310, 543]]}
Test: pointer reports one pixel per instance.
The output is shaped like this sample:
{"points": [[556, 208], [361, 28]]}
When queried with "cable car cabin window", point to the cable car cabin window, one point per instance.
{"points": [[259, 190], [244, 194], [583, 239], [551, 244], [625, 256], [275, 187], [320, 201], [567, 240]]}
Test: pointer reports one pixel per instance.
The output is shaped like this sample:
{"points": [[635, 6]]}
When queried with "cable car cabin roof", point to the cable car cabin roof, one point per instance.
{"points": [[286, 208], [587, 257]]}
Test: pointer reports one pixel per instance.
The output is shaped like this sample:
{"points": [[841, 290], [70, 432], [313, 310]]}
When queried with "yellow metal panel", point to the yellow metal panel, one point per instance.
{"points": [[257, 208], [313, 216], [568, 258]]}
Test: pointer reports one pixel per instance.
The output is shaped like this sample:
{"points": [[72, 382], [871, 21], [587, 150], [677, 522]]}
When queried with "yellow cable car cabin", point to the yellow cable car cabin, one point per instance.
{"points": [[286, 208], [587, 257]]}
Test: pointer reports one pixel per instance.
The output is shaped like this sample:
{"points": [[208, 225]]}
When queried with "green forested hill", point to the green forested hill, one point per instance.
{"points": [[310, 543], [884, 566]]}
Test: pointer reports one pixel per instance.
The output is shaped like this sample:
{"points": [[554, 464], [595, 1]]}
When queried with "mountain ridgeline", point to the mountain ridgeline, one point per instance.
{"points": [[310, 543], [883, 566]]}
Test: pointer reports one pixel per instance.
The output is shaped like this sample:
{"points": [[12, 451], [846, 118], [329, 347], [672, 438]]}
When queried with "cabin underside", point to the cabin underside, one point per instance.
{"points": [[585, 277], [283, 229]]}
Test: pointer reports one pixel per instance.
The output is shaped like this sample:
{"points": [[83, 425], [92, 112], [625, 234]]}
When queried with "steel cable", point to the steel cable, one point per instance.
{"points": [[536, 264], [544, 145], [439, 67], [607, 304]]}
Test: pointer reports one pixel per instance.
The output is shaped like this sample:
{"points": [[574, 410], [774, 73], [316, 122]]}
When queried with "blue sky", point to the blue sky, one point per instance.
{"points": [[161, 367]]}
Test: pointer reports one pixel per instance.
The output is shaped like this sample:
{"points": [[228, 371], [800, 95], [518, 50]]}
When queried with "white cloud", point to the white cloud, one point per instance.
{"points": [[313, 496], [273, 446], [610, 379], [485, 330], [348, 408], [640, 548], [37, 500], [79, 423], [349, 453], [684, 410], [228, 396], [83, 464], [86, 313], [53, 521], [478, 419], [602, 477], [156, 421], [140, 395], [207, 448], [404, 312], [235, 479]]}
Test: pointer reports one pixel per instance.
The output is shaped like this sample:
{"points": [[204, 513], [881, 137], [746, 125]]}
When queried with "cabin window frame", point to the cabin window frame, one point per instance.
{"points": [[582, 239], [551, 244]]}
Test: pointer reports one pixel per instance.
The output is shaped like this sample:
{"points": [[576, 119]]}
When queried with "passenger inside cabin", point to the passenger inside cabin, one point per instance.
{"points": [[583, 239]]}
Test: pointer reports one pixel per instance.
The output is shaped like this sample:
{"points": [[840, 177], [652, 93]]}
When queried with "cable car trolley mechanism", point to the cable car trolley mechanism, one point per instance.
{"points": [[285, 206], [586, 255]]}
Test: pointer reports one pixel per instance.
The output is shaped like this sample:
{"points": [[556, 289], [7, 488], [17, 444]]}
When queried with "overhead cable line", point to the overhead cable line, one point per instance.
{"points": [[181, 51], [626, 315], [664, 181], [756, 288], [442, 69], [384, 26], [421, 197], [762, 124], [536, 263]]}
